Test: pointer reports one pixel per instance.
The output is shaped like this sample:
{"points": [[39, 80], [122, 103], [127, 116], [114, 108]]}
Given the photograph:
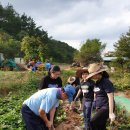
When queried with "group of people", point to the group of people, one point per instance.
{"points": [[33, 65], [92, 86]]}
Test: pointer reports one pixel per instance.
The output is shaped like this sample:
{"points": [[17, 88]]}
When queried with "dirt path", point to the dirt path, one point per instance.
{"points": [[65, 66], [74, 121]]}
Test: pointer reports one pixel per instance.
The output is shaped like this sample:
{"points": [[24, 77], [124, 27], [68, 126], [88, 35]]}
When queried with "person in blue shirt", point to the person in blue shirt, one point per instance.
{"points": [[104, 97], [47, 65], [35, 108], [52, 80]]}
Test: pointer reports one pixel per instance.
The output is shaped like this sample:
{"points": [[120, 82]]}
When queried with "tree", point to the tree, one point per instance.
{"points": [[122, 47], [33, 47], [9, 46], [35, 41], [60, 51], [10, 20], [90, 51], [122, 52]]}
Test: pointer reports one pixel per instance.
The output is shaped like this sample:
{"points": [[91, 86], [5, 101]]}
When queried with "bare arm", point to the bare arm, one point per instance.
{"points": [[111, 107], [111, 102], [94, 97], [44, 118], [78, 94], [52, 113]]}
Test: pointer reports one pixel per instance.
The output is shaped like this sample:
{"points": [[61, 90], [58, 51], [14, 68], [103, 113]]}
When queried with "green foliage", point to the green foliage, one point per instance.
{"points": [[36, 43], [60, 115], [120, 63], [9, 46], [10, 20], [90, 51], [60, 52], [32, 47], [24, 85], [10, 106], [122, 119], [122, 51], [121, 81], [122, 47], [65, 75]]}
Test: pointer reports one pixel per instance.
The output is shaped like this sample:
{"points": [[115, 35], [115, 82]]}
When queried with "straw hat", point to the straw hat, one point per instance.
{"points": [[71, 80], [95, 68]]}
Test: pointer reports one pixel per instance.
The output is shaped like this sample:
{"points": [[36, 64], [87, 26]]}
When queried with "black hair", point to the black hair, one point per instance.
{"points": [[105, 74], [54, 69]]}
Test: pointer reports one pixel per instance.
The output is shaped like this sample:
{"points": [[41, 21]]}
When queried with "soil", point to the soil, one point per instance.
{"points": [[74, 121], [4, 91], [123, 93], [127, 93]]}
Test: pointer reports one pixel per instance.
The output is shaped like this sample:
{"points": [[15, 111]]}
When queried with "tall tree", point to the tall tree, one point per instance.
{"points": [[9, 46], [90, 51], [35, 40], [32, 47], [122, 47]]}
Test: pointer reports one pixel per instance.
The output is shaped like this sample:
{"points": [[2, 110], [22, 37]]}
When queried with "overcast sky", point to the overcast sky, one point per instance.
{"points": [[74, 21]]}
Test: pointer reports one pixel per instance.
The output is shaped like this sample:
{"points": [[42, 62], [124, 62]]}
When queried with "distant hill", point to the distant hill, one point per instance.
{"points": [[17, 26]]}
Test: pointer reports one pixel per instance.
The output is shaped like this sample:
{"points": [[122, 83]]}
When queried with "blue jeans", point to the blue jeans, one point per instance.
{"points": [[87, 110]]}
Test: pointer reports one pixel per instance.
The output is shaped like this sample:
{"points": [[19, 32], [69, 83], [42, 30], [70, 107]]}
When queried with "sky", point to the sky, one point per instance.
{"points": [[74, 21]]}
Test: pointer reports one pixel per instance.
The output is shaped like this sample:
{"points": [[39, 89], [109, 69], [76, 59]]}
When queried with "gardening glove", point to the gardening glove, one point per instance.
{"points": [[112, 117]]}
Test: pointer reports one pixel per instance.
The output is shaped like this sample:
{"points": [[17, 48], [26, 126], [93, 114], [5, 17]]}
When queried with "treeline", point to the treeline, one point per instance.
{"points": [[21, 37]]}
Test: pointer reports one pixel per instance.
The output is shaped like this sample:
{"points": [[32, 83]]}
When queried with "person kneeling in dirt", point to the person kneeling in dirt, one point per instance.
{"points": [[35, 108], [86, 87], [73, 81]]}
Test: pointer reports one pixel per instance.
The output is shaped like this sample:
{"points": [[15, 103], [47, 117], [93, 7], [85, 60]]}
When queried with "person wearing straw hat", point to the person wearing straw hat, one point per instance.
{"points": [[72, 81], [104, 95], [86, 88], [35, 108]]}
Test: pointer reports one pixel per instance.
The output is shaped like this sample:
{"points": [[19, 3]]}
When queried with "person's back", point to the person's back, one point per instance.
{"points": [[47, 66], [46, 95]]}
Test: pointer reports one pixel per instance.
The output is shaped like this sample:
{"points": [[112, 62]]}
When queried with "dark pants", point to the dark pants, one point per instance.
{"points": [[98, 122], [32, 121], [87, 110]]}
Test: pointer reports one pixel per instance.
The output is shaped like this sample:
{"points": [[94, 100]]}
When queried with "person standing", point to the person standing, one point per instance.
{"points": [[35, 108], [52, 80], [48, 65], [86, 87], [104, 95]]}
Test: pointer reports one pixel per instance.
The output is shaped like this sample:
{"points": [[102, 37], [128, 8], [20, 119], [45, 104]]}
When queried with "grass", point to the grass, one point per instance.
{"points": [[121, 81], [15, 87]]}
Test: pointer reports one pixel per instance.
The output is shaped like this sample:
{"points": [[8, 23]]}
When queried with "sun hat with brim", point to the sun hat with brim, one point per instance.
{"points": [[71, 79], [81, 71], [70, 91], [95, 68]]}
